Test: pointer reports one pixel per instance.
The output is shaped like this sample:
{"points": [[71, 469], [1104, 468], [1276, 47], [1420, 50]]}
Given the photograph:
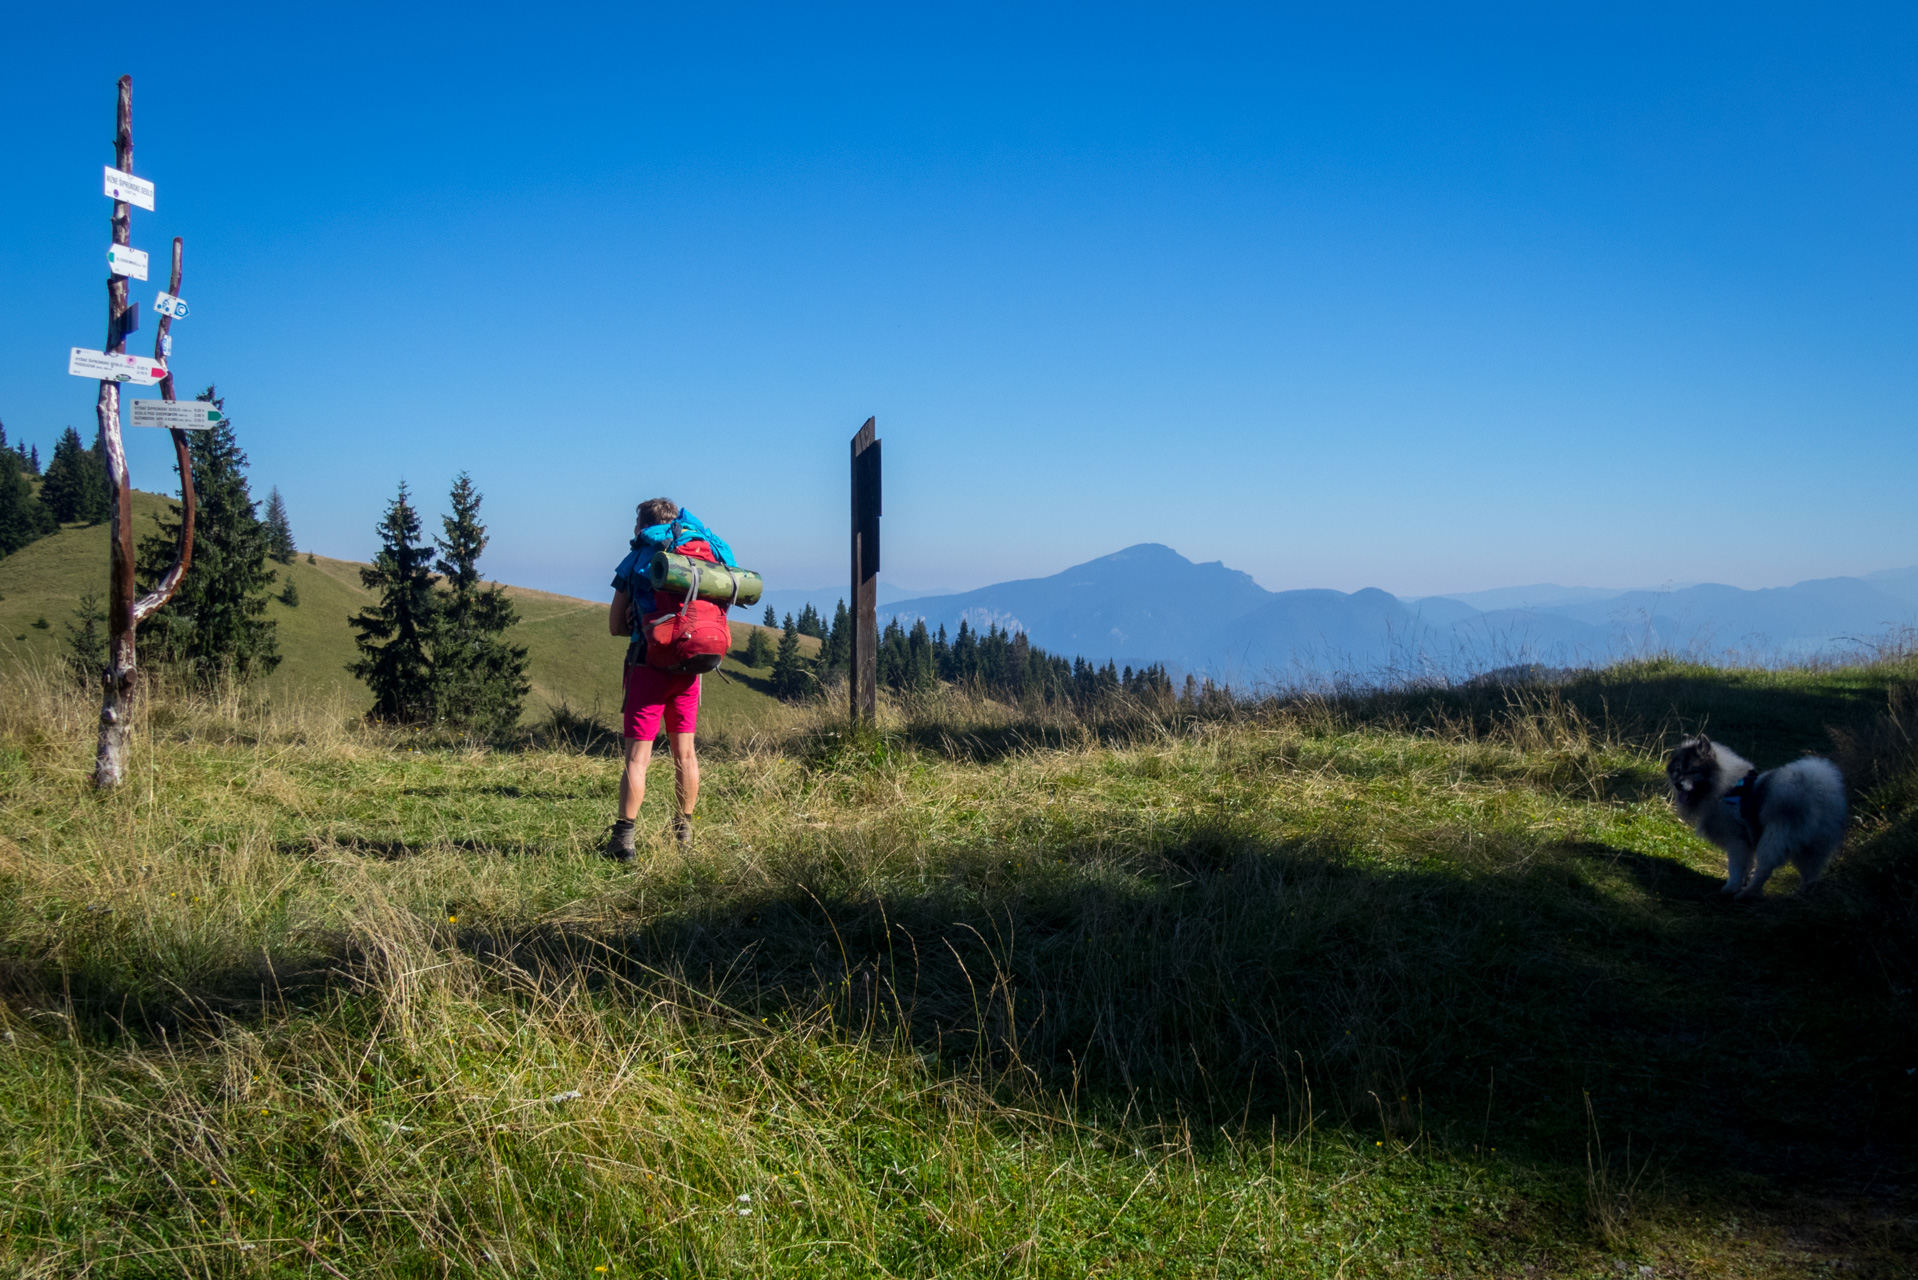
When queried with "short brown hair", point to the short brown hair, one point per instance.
{"points": [[657, 511]]}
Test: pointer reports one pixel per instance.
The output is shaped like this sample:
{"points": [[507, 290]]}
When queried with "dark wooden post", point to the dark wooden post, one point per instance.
{"points": [[865, 574], [116, 711]]}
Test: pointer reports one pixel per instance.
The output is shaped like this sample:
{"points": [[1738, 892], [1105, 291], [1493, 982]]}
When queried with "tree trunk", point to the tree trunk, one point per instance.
{"points": [[116, 710]]}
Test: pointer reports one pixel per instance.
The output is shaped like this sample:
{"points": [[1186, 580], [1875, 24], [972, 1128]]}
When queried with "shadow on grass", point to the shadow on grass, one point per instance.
{"points": [[394, 849], [990, 745], [1227, 977], [842, 748], [504, 791], [1660, 879], [758, 684], [1242, 984]]}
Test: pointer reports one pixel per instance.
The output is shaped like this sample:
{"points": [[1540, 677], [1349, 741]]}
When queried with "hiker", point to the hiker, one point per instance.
{"points": [[654, 695]]}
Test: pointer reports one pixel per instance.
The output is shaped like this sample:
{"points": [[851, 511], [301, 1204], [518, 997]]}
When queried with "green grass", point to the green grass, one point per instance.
{"points": [[573, 662], [1422, 984]]}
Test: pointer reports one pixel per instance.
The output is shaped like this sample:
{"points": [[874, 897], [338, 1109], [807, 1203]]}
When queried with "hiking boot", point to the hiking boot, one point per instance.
{"points": [[619, 842], [683, 830]]}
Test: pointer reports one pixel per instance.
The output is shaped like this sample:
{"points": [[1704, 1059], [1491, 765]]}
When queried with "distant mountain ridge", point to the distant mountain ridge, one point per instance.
{"points": [[1148, 603]]}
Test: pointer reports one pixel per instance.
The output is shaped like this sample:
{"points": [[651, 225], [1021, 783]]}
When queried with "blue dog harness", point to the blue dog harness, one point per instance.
{"points": [[1745, 800]]}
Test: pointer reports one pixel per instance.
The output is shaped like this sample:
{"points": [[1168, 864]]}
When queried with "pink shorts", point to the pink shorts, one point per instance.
{"points": [[652, 694]]}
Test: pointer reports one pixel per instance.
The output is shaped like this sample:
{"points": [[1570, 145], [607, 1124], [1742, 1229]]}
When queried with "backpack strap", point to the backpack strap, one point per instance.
{"points": [[692, 592]]}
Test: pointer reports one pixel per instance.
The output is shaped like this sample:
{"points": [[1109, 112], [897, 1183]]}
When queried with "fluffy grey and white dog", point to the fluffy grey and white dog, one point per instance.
{"points": [[1795, 813]]}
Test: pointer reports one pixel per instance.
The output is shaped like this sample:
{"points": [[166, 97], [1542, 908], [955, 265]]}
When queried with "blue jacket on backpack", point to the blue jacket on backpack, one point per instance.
{"points": [[631, 577]]}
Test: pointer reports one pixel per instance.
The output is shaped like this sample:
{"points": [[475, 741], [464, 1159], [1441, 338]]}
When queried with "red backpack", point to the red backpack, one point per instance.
{"points": [[690, 636]]}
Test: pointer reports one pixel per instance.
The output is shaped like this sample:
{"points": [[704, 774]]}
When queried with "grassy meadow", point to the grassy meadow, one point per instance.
{"points": [[1425, 984], [573, 661]]}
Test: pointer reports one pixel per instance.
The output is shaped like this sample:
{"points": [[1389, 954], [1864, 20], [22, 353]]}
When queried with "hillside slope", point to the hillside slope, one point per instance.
{"points": [[572, 659]]}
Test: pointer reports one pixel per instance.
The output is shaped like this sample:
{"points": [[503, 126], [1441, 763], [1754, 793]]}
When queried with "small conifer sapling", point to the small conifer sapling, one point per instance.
{"points": [[215, 627], [279, 530], [396, 631], [479, 678]]}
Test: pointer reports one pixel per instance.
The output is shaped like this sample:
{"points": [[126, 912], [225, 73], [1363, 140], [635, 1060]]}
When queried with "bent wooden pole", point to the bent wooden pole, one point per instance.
{"points": [[183, 554]]}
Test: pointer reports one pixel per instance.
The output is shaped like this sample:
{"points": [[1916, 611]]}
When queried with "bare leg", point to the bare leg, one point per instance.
{"points": [[632, 783], [685, 770]]}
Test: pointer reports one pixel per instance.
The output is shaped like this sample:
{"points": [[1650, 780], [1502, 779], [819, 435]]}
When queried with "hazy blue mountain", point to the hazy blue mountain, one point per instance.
{"points": [[1540, 595], [1712, 618], [1148, 603], [1899, 583], [1506, 637], [1298, 636], [1443, 609]]}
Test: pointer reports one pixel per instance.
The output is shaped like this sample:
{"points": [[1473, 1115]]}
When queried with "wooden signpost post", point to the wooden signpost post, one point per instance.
{"points": [[865, 574], [124, 612]]}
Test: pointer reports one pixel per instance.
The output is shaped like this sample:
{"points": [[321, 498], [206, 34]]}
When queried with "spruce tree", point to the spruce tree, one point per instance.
{"points": [[894, 659], [29, 461], [790, 678], [99, 499], [395, 633], [29, 458], [479, 678], [922, 672], [279, 530], [23, 517], [75, 487], [86, 642], [759, 650], [64, 489], [965, 654], [835, 655], [772, 619], [215, 627]]}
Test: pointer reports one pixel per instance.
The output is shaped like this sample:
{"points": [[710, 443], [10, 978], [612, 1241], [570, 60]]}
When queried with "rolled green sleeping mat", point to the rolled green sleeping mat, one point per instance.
{"points": [[671, 572]]}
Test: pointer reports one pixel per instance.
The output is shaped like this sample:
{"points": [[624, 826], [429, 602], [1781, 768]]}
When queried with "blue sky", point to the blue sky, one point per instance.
{"points": [[1382, 297]]}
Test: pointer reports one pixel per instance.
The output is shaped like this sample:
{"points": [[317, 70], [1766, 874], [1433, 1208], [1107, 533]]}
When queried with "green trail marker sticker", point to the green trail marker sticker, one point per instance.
{"points": [[182, 415]]}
